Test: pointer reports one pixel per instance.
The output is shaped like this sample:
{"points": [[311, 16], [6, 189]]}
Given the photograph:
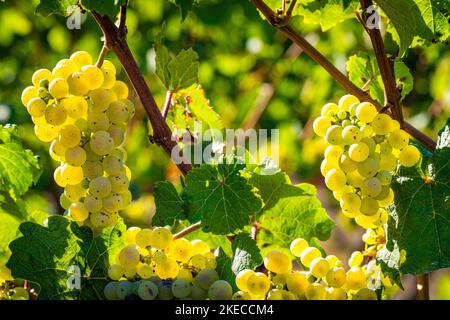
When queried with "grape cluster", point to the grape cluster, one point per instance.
{"points": [[82, 110], [316, 278], [154, 265], [9, 290], [365, 148]]}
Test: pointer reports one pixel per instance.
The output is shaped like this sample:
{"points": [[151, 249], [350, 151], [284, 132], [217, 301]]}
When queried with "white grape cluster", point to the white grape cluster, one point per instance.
{"points": [[154, 265], [82, 110], [365, 148]]}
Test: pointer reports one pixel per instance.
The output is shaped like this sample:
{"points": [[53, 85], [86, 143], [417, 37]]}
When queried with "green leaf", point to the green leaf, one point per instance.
{"points": [[105, 7], [246, 255], [420, 215], [403, 19], [185, 6], [169, 206], [362, 67], [19, 168], [61, 7], [289, 211], [389, 259], [178, 72], [220, 197], [44, 254]]}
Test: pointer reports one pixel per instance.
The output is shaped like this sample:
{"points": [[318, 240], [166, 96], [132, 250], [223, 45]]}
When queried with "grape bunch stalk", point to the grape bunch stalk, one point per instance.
{"points": [[154, 265], [82, 111]]}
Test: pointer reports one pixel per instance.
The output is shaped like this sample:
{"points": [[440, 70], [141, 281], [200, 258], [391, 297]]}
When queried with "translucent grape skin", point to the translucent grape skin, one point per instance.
{"points": [[147, 290], [220, 290], [181, 288]]}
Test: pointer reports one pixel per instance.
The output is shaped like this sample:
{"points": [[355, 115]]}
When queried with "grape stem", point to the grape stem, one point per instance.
{"points": [[167, 104], [342, 79], [115, 39], [187, 230], [101, 56], [423, 287]]}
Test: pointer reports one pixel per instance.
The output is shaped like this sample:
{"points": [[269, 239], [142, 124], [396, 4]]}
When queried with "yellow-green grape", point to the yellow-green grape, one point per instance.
{"points": [[100, 187], [239, 295], [130, 235], [220, 290], [76, 107], [64, 68], [119, 183], [321, 125], [342, 115], [355, 179], [366, 222], [316, 291], [185, 274], [366, 112], [160, 257], [258, 284], [98, 122], [334, 135], [75, 156], [336, 277], [55, 114], [297, 247], [127, 198], [385, 148], [384, 177], [333, 153], [121, 153], [369, 206], [100, 220], [117, 133], [382, 124], [145, 271], [64, 201], [366, 130], [129, 256], [58, 88], [350, 202], [75, 192], [326, 166], [200, 246], [94, 76], [115, 272], [81, 58], [29, 93], [181, 250], [162, 238], [356, 278], [388, 162], [206, 277], [297, 282], [101, 99], [198, 261], [121, 89], [370, 144], [93, 204], [398, 139], [19, 293], [335, 179], [130, 273], [112, 165], [92, 169], [143, 238], [60, 181], [117, 112], [279, 279], [351, 134], [72, 175], [409, 156], [277, 262], [57, 149], [101, 143], [371, 187], [78, 84], [109, 77], [319, 267], [36, 107], [364, 294], [346, 164], [41, 74], [329, 109], [356, 259], [346, 123], [130, 106], [78, 212], [69, 136], [358, 152], [242, 279], [308, 255], [368, 168], [336, 294], [346, 101], [113, 203], [275, 294], [109, 65], [369, 237], [333, 261]]}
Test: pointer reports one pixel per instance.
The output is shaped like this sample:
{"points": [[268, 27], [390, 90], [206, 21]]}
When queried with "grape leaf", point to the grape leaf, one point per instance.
{"points": [[246, 255], [178, 72], [169, 206], [432, 18], [420, 215], [289, 211], [185, 6], [362, 67], [402, 18], [61, 7], [19, 168], [220, 197], [44, 254], [105, 7]]}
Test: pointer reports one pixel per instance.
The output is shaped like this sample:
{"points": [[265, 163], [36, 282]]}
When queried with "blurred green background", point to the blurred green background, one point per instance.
{"points": [[246, 66]]}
